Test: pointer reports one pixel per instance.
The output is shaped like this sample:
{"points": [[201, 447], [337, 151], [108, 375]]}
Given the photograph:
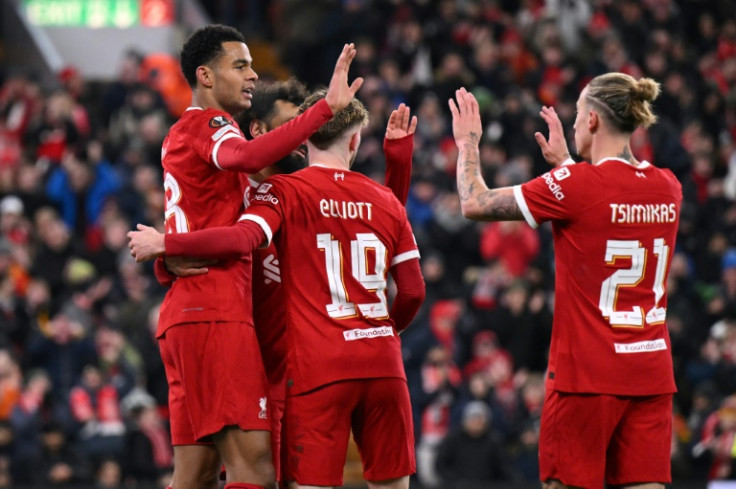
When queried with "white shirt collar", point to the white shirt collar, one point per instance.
{"points": [[642, 163]]}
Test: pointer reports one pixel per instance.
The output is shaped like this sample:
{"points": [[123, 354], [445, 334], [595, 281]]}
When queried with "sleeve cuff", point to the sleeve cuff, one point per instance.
{"points": [[404, 257], [262, 224], [324, 109], [521, 202]]}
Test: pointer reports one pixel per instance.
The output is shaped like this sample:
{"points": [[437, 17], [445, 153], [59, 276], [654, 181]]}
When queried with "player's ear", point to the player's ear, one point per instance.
{"points": [[205, 76], [354, 142], [593, 121], [257, 128]]}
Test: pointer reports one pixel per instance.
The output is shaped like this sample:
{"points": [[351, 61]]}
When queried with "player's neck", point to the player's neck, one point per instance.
{"points": [[206, 101], [328, 159], [269, 171], [612, 147]]}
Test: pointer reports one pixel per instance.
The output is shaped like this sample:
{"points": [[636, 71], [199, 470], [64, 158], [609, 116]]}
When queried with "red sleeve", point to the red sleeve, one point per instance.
{"points": [[162, 275], [398, 154], [410, 295], [556, 195], [226, 242], [238, 154]]}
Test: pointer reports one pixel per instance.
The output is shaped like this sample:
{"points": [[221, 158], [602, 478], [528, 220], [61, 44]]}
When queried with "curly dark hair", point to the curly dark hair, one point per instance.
{"points": [[265, 98], [203, 46], [354, 114]]}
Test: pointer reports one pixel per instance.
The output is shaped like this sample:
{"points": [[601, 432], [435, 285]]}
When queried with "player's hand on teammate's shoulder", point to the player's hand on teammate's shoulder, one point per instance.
{"points": [[339, 92], [401, 123], [554, 150], [146, 243]]}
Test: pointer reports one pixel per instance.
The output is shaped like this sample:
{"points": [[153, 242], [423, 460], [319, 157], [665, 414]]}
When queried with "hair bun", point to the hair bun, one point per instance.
{"points": [[646, 89]]}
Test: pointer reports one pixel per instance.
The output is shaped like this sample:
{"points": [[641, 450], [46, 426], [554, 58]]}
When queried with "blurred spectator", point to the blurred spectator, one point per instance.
{"points": [[80, 187], [116, 94], [109, 475], [524, 455], [440, 381], [127, 125], [148, 443], [20, 98], [65, 351], [10, 384], [512, 243], [13, 224], [59, 464], [55, 247], [33, 409], [55, 133], [471, 457], [119, 362], [718, 441], [95, 405], [74, 84]]}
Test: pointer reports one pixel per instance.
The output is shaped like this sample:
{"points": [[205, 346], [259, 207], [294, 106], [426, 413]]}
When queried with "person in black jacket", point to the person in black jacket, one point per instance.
{"points": [[470, 457]]}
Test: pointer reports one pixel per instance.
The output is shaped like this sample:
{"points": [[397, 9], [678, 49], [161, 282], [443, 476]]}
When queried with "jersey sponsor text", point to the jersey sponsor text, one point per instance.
{"points": [[641, 346], [553, 186], [363, 334]]}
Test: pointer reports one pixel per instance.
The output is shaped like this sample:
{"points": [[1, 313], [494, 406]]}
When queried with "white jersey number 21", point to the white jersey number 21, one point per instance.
{"points": [[629, 277]]}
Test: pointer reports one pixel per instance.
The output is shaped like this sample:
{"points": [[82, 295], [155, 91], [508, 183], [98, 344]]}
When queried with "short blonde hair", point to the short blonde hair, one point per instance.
{"points": [[625, 102], [354, 114]]}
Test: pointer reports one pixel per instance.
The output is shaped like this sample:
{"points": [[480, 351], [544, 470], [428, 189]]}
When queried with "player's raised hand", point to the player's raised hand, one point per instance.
{"points": [[339, 93], [466, 125], [146, 243], [555, 149], [401, 123]]}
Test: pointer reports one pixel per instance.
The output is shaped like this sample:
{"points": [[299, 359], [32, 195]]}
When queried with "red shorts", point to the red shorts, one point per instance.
{"points": [[588, 438], [216, 379], [276, 411], [318, 427]]}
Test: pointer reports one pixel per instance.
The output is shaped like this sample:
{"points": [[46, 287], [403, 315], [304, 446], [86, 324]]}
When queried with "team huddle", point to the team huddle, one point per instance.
{"points": [[277, 333]]}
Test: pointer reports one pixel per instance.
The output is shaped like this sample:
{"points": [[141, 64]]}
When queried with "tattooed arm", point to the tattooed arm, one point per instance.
{"points": [[478, 201]]}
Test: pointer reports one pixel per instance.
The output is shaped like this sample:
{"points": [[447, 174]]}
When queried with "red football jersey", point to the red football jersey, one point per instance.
{"points": [[614, 227], [268, 297], [268, 314], [200, 195], [337, 233]]}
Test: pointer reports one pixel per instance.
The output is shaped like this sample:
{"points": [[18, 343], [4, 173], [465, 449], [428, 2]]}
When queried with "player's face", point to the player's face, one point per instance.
{"points": [[582, 133], [283, 112], [234, 78]]}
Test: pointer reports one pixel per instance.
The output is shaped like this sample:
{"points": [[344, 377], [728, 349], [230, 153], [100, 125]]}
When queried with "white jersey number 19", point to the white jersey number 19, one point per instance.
{"points": [[372, 280]]}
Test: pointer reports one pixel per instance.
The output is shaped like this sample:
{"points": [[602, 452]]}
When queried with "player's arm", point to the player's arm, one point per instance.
{"points": [[478, 202], [163, 276], [410, 292], [235, 153], [239, 154], [398, 147], [227, 242], [169, 268]]}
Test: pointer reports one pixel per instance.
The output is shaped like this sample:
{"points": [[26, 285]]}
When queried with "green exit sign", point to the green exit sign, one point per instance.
{"points": [[99, 13]]}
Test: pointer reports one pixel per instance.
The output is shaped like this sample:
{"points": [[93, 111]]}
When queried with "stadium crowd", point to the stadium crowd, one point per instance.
{"points": [[83, 393]]}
